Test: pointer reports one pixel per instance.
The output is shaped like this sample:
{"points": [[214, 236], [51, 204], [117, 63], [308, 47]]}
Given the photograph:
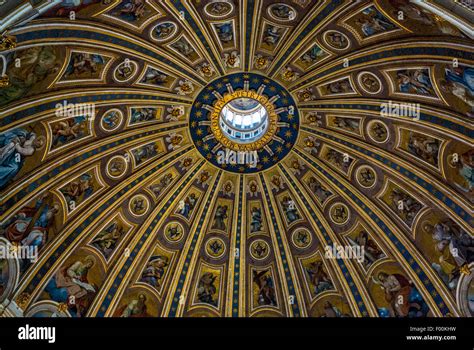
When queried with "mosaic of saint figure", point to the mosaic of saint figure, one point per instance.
{"points": [[331, 310], [374, 22], [220, 217], [339, 87], [372, 251], [155, 270], [256, 221], [164, 30], [465, 168], [321, 192], [459, 82], [78, 190], [404, 205], [313, 55], [106, 241], [68, 130], [15, 146], [455, 248], [84, 65], [349, 124], [130, 10], [272, 36], [225, 32], [154, 77], [162, 184], [135, 308], [265, 285], [32, 225], [188, 205], [140, 115], [70, 285], [207, 290], [402, 296], [415, 81], [338, 159], [424, 147], [145, 152], [184, 48], [37, 64], [289, 207], [318, 277], [66, 6]]}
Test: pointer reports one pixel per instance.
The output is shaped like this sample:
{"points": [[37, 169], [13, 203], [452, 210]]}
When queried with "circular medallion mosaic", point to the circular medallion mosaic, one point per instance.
{"points": [[259, 249], [215, 247], [244, 122]]}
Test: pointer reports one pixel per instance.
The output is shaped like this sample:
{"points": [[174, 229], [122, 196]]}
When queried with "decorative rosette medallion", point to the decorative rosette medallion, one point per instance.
{"points": [[244, 122]]}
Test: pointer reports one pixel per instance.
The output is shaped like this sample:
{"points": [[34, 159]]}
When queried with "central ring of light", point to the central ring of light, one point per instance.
{"points": [[244, 120], [234, 124]]}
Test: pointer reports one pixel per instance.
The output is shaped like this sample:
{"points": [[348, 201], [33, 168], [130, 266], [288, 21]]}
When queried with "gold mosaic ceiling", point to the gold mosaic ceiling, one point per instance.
{"points": [[109, 167]]}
